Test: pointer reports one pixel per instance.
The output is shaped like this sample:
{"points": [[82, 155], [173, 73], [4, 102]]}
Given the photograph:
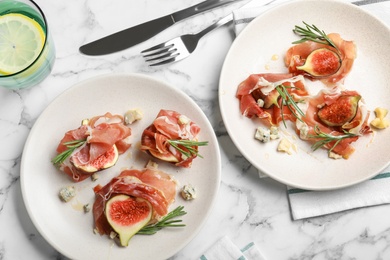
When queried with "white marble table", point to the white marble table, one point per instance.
{"points": [[247, 208]]}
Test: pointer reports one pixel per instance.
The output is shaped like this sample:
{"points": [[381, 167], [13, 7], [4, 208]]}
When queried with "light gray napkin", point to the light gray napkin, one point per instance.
{"points": [[225, 249], [303, 203]]}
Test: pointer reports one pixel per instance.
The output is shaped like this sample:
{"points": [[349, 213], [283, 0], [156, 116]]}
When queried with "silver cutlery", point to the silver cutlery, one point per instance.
{"points": [[367, 2], [142, 32], [180, 47]]}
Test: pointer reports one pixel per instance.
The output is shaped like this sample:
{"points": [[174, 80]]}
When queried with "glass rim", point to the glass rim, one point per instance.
{"points": [[44, 43]]}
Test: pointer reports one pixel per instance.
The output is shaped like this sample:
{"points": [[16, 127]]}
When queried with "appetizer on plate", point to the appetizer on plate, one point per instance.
{"points": [[136, 201], [269, 96], [333, 117], [92, 147], [172, 137], [320, 56], [333, 120]]}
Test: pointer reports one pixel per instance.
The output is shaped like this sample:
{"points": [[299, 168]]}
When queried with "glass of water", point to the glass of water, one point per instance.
{"points": [[27, 51]]}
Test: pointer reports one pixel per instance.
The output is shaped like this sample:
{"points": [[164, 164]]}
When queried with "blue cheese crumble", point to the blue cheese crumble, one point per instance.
{"points": [[265, 135], [67, 193], [188, 192], [133, 115]]}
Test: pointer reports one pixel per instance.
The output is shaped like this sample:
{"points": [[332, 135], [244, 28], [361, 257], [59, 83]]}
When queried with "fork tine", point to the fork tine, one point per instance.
{"points": [[158, 46], [163, 62], [163, 57], [160, 53], [176, 57], [155, 50]]}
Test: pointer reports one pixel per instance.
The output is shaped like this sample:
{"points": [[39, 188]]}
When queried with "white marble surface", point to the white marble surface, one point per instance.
{"points": [[247, 208]]}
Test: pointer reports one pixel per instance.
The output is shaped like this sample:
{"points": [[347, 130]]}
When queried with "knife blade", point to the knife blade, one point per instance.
{"points": [[367, 2], [134, 35]]}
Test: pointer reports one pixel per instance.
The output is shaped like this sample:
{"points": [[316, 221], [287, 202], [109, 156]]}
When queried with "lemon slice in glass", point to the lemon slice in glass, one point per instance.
{"points": [[21, 41]]}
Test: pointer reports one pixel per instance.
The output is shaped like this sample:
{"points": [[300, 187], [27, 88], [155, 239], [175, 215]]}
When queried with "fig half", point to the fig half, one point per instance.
{"points": [[321, 63], [269, 99], [127, 215], [102, 162], [168, 157], [340, 112]]}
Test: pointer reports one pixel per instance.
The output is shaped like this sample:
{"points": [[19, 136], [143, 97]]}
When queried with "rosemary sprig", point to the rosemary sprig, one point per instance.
{"points": [[288, 100], [72, 146], [164, 222], [328, 138], [189, 145], [312, 33]]}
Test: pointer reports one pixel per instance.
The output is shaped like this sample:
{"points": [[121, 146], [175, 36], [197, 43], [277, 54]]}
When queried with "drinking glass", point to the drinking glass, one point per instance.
{"points": [[27, 51]]}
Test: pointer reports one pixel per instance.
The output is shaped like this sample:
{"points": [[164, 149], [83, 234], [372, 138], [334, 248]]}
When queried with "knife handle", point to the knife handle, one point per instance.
{"points": [[199, 8]]}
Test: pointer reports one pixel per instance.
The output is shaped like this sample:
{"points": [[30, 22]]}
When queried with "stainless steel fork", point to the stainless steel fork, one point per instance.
{"points": [[180, 47]]}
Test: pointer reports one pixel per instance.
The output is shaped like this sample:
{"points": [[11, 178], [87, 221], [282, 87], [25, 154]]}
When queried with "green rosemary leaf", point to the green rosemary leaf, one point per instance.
{"points": [[325, 138], [312, 33], [167, 221], [72, 146], [188, 149], [289, 102]]}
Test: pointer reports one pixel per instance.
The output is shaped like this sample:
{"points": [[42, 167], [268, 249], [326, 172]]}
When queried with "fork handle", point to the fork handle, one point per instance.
{"points": [[215, 25]]}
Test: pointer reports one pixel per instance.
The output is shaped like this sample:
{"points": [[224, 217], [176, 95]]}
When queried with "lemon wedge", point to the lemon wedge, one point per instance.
{"points": [[21, 40]]}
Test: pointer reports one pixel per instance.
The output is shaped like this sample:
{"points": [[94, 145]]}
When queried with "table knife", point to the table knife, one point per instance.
{"points": [[142, 32]]}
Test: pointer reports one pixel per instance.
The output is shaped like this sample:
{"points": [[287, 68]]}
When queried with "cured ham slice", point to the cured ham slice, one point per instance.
{"points": [[297, 54], [155, 186], [261, 86], [100, 136], [358, 126], [158, 179], [170, 125]]}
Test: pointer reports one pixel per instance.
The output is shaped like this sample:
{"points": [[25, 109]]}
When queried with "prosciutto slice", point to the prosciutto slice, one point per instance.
{"points": [[158, 179], [358, 125], [297, 54], [155, 186], [169, 125], [101, 134], [248, 91]]}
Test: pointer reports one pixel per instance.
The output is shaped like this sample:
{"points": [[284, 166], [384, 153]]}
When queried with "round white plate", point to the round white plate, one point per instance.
{"points": [[64, 225], [268, 37]]}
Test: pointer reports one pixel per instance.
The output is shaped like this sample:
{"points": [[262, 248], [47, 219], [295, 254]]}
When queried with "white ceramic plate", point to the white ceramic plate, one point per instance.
{"points": [[64, 225], [269, 36]]}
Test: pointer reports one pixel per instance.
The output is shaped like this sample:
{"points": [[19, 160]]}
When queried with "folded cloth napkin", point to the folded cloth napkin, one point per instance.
{"points": [[304, 203], [224, 249]]}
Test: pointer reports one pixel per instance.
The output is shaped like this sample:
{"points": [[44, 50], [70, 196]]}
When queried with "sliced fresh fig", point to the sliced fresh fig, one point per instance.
{"points": [[104, 161], [270, 99], [164, 156], [127, 215], [340, 112], [321, 63]]}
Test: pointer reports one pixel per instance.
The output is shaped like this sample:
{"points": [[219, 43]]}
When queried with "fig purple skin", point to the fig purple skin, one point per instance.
{"points": [[127, 215], [270, 99], [340, 112], [321, 63]]}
